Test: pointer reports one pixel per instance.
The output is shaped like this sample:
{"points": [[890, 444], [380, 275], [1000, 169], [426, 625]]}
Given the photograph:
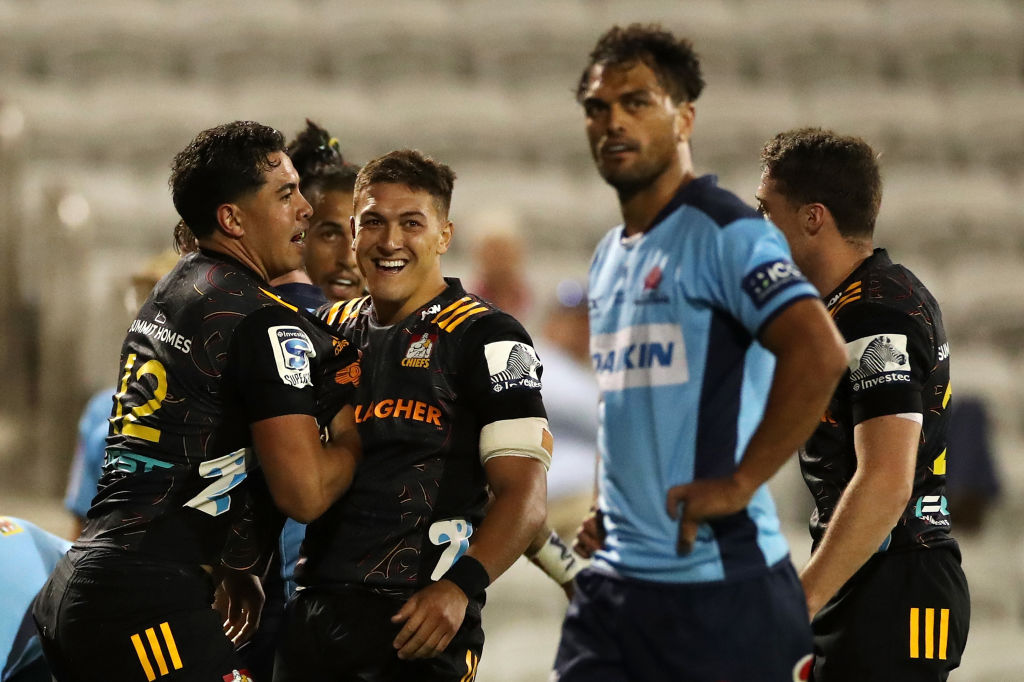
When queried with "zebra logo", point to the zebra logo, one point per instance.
{"points": [[878, 359], [512, 364]]}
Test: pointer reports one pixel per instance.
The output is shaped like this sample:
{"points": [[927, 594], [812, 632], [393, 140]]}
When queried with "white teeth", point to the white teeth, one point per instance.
{"points": [[390, 263]]}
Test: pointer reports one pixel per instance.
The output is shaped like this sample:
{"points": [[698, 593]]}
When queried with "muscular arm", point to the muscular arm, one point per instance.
{"points": [[810, 358], [869, 507], [433, 615], [304, 476]]}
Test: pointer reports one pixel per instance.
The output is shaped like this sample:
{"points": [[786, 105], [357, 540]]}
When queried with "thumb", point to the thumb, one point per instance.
{"points": [[674, 500]]}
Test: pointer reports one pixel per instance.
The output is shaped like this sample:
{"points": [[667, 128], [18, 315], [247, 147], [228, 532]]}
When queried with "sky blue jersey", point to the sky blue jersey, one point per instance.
{"points": [[674, 318], [27, 557]]}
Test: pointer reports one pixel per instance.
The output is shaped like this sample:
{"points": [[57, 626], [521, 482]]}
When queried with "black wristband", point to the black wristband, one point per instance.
{"points": [[469, 575]]}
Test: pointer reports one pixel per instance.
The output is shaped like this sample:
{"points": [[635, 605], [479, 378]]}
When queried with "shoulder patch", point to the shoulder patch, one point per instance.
{"points": [[512, 364], [768, 279], [877, 360], [292, 351]]}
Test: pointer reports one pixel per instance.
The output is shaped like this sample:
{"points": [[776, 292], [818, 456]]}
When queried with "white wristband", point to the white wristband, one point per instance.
{"points": [[558, 560]]}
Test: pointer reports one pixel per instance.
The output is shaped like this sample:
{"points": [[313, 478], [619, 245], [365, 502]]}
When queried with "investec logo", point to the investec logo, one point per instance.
{"points": [[644, 355]]}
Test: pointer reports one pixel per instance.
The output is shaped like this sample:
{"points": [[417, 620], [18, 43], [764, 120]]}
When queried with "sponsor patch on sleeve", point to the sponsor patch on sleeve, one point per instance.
{"points": [[767, 280], [292, 352], [512, 364], [880, 359]]}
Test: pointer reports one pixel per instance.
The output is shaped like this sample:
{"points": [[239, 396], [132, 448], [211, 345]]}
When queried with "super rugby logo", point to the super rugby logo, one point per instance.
{"points": [[512, 364], [642, 355], [292, 352], [878, 359], [768, 279], [419, 351]]}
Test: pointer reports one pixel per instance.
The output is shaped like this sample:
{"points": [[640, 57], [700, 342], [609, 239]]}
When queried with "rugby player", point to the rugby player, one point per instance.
{"points": [[884, 584], [217, 373], [714, 360], [393, 577]]}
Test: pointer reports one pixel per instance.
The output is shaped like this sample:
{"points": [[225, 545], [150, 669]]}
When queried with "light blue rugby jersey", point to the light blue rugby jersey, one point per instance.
{"points": [[674, 316], [27, 557]]}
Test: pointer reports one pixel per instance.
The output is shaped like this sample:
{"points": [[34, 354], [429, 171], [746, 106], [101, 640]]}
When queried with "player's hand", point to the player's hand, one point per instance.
{"points": [[432, 616], [590, 535], [700, 500], [239, 600]]}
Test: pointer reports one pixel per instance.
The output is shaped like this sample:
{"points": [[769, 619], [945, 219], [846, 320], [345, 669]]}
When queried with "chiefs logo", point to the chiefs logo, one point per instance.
{"points": [[349, 374]]}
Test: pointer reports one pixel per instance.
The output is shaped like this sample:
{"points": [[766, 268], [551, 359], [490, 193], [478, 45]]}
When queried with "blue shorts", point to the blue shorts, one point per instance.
{"points": [[625, 630]]}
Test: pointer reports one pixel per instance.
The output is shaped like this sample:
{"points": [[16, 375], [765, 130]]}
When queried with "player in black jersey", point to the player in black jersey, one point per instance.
{"points": [[884, 586], [449, 407], [223, 392]]}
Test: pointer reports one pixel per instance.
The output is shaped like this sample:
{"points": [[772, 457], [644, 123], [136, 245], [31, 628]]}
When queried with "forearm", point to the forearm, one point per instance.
{"points": [[798, 397], [867, 511], [514, 520]]}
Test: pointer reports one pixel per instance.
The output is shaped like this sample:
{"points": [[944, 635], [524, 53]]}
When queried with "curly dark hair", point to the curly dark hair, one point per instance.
{"points": [[219, 166], [816, 166], [672, 59], [319, 162], [413, 169]]}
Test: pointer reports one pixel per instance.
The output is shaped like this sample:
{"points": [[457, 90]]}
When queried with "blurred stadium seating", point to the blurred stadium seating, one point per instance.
{"points": [[107, 91]]}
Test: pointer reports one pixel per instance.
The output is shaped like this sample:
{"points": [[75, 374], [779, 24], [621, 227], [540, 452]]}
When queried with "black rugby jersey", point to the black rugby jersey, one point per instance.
{"points": [[211, 351], [898, 360], [429, 384]]}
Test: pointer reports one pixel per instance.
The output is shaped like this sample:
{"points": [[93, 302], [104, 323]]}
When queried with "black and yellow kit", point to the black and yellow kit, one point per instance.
{"points": [[898, 356], [211, 351], [430, 384]]}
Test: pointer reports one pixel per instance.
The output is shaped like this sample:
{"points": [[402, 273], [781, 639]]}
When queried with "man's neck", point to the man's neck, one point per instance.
{"points": [[641, 207], [233, 248], [833, 270], [390, 312]]}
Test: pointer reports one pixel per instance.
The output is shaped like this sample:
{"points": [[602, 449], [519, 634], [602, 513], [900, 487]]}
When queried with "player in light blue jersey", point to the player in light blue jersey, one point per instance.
{"points": [[715, 360], [27, 557]]}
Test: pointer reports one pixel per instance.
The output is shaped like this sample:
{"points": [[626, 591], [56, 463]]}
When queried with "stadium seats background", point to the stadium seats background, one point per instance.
{"points": [[95, 98]]}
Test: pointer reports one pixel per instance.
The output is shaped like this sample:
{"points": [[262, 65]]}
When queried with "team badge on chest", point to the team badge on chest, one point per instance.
{"points": [[419, 350]]}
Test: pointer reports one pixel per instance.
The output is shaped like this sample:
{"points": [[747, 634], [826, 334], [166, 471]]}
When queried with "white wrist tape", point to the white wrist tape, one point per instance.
{"points": [[558, 560]]}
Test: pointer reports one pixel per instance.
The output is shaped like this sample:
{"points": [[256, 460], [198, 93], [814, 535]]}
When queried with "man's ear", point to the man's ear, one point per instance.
{"points": [[446, 236], [685, 116], [814, 217], [228, 220]]}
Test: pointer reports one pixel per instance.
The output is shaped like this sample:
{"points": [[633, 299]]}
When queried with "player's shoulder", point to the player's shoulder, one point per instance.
{"points": [[342, 314]]}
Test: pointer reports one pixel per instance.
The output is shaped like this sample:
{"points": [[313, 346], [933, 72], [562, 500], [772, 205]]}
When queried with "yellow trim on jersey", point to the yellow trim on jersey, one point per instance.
{"points": [[943, 633], [471, 663], [280, 300], [456, 322], [158, 653], [172, 648], [140, 651], [939, 464], [343, 310], [914, 644], [929, 633], [948, 395], [451, 307]]}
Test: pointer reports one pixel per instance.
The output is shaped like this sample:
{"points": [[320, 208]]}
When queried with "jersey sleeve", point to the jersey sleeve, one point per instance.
{"points": [[756, 277], [270, 365], [888, 357], [501, 370]]}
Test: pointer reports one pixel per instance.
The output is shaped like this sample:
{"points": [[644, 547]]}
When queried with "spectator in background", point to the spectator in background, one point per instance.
{"points": [[972, 478], [27, 557], [499, 270], [87, 462], [570, 396]]}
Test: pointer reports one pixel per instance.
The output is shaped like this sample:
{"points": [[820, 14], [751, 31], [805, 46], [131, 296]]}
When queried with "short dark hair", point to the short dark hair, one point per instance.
{"points": [[672, 59], [413, 169], [317, 157], [812, 165], [219, 166]]}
